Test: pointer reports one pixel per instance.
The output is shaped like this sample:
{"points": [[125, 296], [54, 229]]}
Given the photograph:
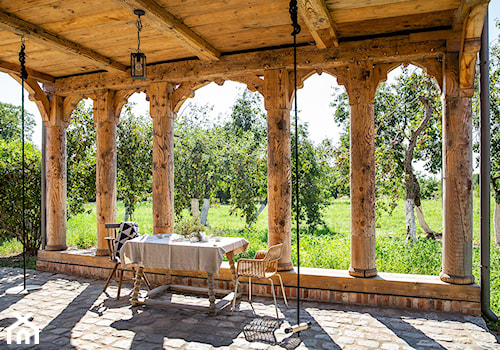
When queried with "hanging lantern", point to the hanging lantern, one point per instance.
{"points": [[138, 59]]}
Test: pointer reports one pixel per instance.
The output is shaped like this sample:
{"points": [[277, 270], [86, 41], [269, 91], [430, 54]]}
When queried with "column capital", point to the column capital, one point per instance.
{"points": [[361, 80], [278, 89], [105, 106], [160, 97]]}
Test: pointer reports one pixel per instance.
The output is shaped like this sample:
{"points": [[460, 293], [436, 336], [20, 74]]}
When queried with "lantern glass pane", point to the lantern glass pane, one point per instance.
{"points": [[138, 65]]}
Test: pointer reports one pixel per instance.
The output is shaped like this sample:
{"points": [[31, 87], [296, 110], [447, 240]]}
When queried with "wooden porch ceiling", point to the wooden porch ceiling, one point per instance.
{"points": [[65, 38]]}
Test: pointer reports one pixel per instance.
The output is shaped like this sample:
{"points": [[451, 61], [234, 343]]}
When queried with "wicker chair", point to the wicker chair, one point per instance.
{"points": [[115, 240], [264, 265]]}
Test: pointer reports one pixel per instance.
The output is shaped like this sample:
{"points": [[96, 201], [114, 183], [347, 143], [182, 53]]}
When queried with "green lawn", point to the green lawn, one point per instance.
{"points": [[327, 247]]}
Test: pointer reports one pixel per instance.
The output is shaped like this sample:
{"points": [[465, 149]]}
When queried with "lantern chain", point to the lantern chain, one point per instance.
{"points": [[138, 24]]}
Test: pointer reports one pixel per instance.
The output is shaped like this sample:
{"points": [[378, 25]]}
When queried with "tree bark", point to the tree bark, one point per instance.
{"points": [[195, 207], [412, 197]]}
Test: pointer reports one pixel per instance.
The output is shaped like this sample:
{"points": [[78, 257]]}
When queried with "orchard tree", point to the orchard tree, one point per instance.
{"points": [[134, 153], [10, 123], [197, 148], [245, 157], [495, 129], [407, 128], [81, 158]]}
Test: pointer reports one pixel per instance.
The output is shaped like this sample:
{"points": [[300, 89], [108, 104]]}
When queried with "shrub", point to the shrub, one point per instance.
{"points": [[11, 192]]}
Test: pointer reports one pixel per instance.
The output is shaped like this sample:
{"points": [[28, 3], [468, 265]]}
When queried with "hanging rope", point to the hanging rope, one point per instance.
{"points": [[296, 30], [24, 76]]}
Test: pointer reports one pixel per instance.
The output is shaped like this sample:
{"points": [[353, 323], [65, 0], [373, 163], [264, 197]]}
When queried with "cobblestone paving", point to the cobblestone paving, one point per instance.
{"points": [[73, 313]]}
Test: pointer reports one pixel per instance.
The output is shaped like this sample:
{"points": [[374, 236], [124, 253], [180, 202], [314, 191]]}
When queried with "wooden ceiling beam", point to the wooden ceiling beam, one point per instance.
{"points": [[381, 50], [167, 23], [13, 68], [319, 22], [36, 33]]}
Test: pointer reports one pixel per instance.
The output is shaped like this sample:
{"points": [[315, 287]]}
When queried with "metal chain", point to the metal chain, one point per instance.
{"points": [[22, 60], [138, 24], [293, 14]]}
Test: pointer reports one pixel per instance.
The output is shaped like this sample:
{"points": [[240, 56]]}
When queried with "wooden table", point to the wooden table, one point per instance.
{"points": [[170, 253]]}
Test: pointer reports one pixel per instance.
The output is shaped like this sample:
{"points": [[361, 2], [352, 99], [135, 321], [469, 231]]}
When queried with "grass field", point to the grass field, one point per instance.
{"points": [[327, 247]]}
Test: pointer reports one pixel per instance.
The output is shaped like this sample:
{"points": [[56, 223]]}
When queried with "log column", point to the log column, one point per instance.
{"points": [[279, 183], [105, 119], [361, 81], [163, 157], [457, 178], [56, 175]]}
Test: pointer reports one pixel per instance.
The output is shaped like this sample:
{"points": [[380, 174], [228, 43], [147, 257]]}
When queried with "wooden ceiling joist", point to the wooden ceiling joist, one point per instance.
{"points": [[36, 33], [167, 23], [13, 68], [319, 22]]}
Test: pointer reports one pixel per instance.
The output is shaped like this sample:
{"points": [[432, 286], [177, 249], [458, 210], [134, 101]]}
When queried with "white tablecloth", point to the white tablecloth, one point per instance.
{"points": [[167, 253]]}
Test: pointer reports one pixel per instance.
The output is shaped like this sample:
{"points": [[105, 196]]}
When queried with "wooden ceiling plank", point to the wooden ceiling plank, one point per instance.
{"points": [[163, 20], [8, 67], [319, 22], [38, 34]]}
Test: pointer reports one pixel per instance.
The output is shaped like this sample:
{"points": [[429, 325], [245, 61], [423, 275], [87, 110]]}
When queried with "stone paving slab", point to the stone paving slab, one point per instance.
{"points": [[73, 313]]}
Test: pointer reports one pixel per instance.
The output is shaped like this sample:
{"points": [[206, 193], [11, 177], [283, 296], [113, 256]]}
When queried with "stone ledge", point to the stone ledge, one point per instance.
{"points": [[386, 289]]}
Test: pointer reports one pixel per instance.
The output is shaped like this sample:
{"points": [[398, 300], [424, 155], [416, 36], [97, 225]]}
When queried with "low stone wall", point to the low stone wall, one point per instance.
{"points": [[325, 285]]}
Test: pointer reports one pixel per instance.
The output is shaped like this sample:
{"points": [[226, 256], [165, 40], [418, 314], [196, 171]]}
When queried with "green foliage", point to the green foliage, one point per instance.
{"points": [[429, 187], [188, 226], [11, 123], [494, 115], [11, 192], [134, 153], [196, 156], [245, 156], [81, 159], [313, 180]]}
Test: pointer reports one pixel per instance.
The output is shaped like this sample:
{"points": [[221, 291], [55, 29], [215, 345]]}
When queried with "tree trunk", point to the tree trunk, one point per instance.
{"points": [[412, 197], [423, 224], [496, 222], [261, 209], [204, 211], [195, 207], [411, 228]]}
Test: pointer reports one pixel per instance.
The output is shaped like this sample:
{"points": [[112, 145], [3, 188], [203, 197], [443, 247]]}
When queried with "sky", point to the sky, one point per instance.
{"points": [[313, 100]]}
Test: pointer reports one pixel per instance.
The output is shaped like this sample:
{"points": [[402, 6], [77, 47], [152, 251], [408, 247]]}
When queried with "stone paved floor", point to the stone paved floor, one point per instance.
{"points": [[73, 313]]}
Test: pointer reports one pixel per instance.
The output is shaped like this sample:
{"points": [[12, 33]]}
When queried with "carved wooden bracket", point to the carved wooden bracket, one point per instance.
{"points": [[361, 79]]}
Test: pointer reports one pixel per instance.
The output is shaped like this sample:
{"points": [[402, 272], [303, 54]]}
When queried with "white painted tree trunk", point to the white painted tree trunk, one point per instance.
{"points": [[411, 228], [195, 207], [496, 222], [204, 211]]}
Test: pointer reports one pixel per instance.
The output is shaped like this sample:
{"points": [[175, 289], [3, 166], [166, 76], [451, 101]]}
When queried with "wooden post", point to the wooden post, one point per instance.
{"points": [[457, 179], [56, 176], [279, 183], [105, 121], [361, 81], [163, 157]]}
